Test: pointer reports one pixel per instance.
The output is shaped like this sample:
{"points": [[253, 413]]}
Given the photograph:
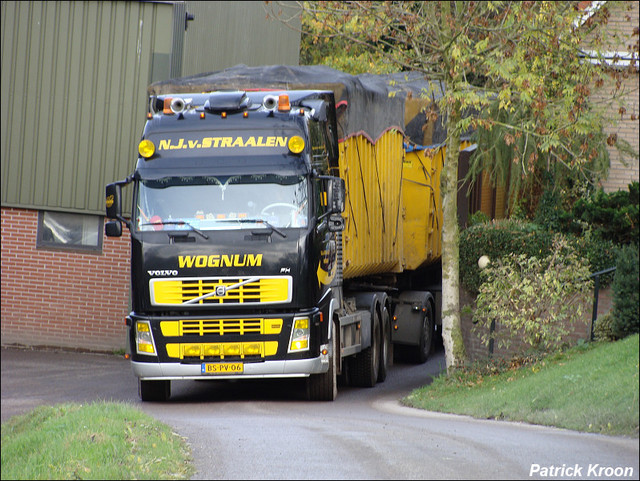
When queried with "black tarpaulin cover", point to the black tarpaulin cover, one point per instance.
{"points": [[367, 104]]}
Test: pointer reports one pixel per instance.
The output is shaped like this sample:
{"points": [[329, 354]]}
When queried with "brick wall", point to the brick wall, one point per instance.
{"points": [[59, 298], [476, 350], [622, 171], [623, 21]]}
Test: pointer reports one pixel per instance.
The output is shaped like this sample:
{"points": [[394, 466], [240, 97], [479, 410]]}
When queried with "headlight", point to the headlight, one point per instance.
{"points": [[299, 335], [144, 338]]}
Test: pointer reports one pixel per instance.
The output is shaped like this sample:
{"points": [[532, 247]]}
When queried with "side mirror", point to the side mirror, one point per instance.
{"points": [[336, 193], [113, 201], [113, 228]]}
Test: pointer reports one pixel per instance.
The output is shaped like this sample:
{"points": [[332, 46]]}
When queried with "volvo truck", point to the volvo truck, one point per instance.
{"points": [[283, 224]]}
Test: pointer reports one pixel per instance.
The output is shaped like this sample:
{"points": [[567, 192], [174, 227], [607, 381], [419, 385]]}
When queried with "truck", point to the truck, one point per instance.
{"points": [[285, 222]]}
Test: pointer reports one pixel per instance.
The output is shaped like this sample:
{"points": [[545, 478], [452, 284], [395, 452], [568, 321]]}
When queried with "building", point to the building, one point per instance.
{"points": [[621, 52], [74, 96]]}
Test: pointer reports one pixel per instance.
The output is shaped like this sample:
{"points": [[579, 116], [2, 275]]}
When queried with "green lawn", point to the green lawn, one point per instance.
{"points": [[592, 388], [92, 441]]}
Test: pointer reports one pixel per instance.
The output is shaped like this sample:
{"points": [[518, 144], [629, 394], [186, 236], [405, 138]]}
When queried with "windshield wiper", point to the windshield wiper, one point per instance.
{"points": [[244, 220], [177, 222]]}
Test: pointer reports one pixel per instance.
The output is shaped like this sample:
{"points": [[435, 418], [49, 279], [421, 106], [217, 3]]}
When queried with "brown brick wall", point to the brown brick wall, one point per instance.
{"points": [[476, 350], [622, 22], [623, 171], [60, 298]]}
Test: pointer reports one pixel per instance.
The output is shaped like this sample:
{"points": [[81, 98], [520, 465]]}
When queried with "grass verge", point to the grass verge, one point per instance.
{"points": [[102, 440], [592, 388]]}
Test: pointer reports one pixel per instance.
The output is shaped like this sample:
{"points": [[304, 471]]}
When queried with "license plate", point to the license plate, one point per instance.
{"points": [[222, 368]]}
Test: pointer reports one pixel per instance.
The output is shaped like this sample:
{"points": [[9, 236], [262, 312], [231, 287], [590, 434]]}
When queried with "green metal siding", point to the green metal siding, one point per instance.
{"points": [[74, 78], [224, 34]]}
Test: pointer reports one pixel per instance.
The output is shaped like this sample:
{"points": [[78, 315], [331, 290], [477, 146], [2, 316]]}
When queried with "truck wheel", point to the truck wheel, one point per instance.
{"points": [[154, 390], [324, 387], [364, 367], [423, 349], [385, 345]]}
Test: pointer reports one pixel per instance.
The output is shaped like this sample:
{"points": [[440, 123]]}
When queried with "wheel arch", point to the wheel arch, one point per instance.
{"points": [[405, 322]]}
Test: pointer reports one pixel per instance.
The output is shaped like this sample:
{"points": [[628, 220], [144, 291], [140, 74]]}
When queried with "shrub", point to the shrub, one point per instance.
{"points": [[603, 328], [534, 299], [612, 216], [600, 253], [625, 293], [553, 215], [496, 239], [478, 218]]}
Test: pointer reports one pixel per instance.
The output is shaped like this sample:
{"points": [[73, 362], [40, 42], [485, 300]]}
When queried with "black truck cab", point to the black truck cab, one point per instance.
{"points": [[234, 224]]}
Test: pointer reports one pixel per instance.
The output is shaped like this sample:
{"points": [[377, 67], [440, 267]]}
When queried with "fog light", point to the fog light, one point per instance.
{"points": [[252, 349], [191, 350], [296, 144], [146, 148], [212, 350], [232, 349]]}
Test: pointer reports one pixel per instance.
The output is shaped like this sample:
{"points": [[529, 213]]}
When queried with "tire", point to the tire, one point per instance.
{"points": [[365, 366], [423, 349], [324, 387], [154, 391], [385, 345]]}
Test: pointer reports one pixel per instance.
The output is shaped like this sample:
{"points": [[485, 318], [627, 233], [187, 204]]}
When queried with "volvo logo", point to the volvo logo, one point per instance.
{"points": [[163, 273], [221, 291]]}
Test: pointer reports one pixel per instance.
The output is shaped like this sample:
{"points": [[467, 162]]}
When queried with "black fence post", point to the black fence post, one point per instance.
{"points": [[492, 329], [596, 294]]}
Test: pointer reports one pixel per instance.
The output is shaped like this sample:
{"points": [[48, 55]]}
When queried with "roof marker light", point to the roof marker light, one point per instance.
{"points": [[283, 103], [166, 109], [223, 115]]}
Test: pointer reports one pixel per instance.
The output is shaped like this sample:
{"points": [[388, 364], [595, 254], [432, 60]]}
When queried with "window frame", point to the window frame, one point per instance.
{"points": [[59, 246]]}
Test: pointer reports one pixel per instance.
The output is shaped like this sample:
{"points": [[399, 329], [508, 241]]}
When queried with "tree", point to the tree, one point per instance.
{"points": [[515, 70], [320, 47]]}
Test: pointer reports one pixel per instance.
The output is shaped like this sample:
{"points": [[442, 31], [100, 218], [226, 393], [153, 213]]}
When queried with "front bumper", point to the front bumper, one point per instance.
{"points": [[150, 371]]}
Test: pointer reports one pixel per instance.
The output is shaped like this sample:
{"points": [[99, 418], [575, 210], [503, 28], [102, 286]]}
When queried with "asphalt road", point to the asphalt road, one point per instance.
{"points": [[266, 430]]}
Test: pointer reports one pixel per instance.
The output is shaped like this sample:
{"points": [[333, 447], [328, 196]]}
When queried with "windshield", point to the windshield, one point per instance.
{"points": [[222, 202]]}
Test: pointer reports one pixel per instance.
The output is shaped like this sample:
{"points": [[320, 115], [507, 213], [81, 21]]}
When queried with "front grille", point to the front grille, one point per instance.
{"points": [[202, 327], [220, 290]]}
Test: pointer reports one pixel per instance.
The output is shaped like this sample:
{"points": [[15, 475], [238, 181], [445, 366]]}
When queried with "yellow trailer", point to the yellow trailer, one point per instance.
{"points": [[393, 208]]}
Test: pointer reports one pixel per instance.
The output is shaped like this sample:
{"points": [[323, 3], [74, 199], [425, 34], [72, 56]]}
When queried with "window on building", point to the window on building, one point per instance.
{"points": [[70, 231]]}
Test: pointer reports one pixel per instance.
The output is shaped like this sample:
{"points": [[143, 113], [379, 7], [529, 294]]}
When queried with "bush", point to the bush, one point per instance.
{"points": [[612, 216], [626, 312], [551, 213], [479, 218], [496, 239], [533, 299], [600, 253], [603, 328]]}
